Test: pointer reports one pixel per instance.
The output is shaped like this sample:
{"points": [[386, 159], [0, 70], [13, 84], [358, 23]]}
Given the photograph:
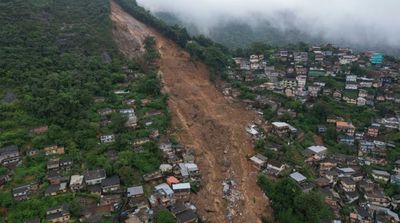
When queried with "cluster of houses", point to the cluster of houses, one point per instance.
{"points": [[343, 183], [343, 180], [169, 188], [305, 75], [172, 186], [372, 149], [348, 182]]}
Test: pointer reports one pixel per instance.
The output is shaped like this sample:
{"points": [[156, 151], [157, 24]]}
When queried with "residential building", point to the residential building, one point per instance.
{"points": [[376, 58], [345, 127], [9, 155], [133, 192], [110, 184], [107, 138], [163, 195], [380, 175], [377, 197], [300, 57], [283, 128], [373, 131], [54, 150], [76, 182], [319, 151], [259, 161], [93, 177], [360, 215], [274, 167], [348, 140], [58, 214], [21, 192], [181, 191], [347, 184], [298, 177], [351, 78], [55, 189]]}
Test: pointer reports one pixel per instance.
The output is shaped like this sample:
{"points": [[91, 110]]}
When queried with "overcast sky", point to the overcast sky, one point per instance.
{"points": [[355, 21]]}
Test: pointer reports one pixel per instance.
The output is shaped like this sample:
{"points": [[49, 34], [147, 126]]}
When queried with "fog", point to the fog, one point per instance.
{"points": [[361, 22]]}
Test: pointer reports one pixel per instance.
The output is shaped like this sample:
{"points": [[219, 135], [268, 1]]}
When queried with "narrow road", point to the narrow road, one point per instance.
{"points": [[203, 118]]}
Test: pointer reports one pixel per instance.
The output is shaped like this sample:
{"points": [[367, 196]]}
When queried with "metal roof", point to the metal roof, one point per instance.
{"points": [[133, 191], [181, 186], [298, 177]]}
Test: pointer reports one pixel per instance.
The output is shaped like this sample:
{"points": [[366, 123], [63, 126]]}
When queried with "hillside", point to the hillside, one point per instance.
{"points": [[203, 118], [61, 82]]}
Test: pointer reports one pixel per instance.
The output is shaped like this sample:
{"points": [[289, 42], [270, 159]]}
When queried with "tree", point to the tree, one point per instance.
{"points": [[290, 204], [164, 216], [118, 121], [150, 86], [152, 53], [310, 207]]}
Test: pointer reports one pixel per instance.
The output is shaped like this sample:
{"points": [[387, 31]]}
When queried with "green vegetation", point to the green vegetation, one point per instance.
{"points": [[164, 216], [290, 204], [56, 58]]}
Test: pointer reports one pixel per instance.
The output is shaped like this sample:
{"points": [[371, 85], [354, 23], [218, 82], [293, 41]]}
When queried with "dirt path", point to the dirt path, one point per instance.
{"points": [[204, 119]]}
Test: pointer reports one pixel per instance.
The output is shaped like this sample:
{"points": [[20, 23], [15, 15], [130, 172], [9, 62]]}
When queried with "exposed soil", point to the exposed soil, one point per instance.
{"points": [[318, 140], [204, 119]]}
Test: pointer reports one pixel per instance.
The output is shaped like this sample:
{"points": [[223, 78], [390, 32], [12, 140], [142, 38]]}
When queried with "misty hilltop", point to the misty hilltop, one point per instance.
{"points": [[359, 24]]}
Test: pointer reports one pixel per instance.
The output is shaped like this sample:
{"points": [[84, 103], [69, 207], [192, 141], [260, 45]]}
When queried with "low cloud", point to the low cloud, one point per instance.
{"points": [[351, 21]]}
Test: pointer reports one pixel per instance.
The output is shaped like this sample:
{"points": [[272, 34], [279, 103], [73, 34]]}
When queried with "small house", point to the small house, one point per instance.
{"points": [[21, 192], [136, 197], [360, 215], [111, 184], [107, 138], [66, 164], [181, 191], [321, 129], [164, 195], [133, 192], [9, 155], [345, 127], [76, 182], [298, 177], [93, 177], [347, 140], [112, 201], [347, 184], [380, 175], [274, 167], [54, 150], [58, 214], [346, 171], [377, 197], [55, 177], [53, 164], [361, 101], [319, 151], [373, 131], [283, 128], [259, 161], [55, 189]]}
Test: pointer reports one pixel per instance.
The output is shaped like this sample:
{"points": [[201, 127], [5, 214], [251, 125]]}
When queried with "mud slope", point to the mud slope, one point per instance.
{"points": [[204, 119]]}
